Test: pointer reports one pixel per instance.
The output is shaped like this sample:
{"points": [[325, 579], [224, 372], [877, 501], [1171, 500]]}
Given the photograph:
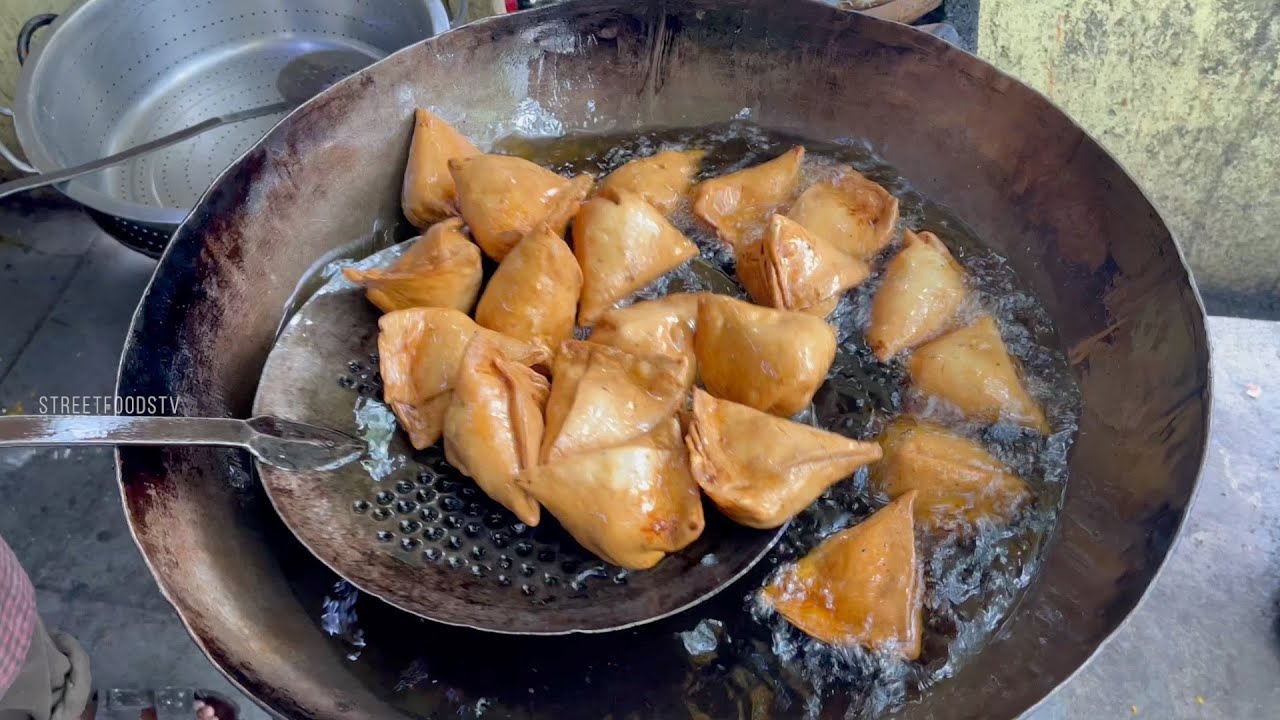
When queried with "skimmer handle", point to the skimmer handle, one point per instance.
{"points": [[283, 443]]}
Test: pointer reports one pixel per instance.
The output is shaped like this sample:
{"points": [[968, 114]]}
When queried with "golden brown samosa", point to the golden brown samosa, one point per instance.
{"points": [[862, 586], [622, 244], [760, 469], [793, 269], [602, 396], [851, 212], [654, 327], [441, 269], [630, 504], [428, 194], [503, 198], [771, 360], [420, 351], [493, 426], [533, 295], [738, 204], [971, 368], [663, 179], [958, 484], [922, 288]]}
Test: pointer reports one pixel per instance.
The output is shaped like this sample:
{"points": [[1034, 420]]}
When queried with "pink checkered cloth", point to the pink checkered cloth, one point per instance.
{"points": [[17, 616]]}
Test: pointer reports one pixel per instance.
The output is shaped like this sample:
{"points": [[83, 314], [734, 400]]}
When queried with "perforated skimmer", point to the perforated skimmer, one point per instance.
{"points": [[425, 538], [109, 75]]}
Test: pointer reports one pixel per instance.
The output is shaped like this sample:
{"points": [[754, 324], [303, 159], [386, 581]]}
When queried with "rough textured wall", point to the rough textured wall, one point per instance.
{"points": [[12, 14], [1187, 94]]}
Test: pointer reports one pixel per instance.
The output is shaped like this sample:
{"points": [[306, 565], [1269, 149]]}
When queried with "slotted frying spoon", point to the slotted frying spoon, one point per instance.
{"points": [[404, 525], [425, 538]]}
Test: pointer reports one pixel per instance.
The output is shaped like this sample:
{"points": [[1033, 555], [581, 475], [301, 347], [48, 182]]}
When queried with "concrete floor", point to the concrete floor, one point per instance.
{"points": [[1207, 632], [67, 293], [963, 14]]}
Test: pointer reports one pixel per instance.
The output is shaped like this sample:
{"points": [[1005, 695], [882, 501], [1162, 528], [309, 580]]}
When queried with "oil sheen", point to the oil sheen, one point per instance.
{"points": [[732, 657]]}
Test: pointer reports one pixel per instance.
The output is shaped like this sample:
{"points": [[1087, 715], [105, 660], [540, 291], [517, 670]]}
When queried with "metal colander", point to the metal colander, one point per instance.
{"points": [[111, 74]]}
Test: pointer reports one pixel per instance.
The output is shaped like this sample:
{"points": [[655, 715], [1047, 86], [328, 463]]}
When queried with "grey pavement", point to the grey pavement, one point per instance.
{"points": [[964, 15], [67, 293]]}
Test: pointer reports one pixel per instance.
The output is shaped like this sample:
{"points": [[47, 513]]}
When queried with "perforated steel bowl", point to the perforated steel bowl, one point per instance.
{"points": [[110, 74]]}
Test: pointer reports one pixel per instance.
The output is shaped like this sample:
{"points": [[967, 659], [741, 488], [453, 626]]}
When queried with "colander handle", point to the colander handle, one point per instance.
{"points": [[7, 154], [28, 30]]}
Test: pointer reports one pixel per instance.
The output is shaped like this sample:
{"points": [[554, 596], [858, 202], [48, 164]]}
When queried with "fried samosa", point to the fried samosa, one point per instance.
{"points": [[761, 470], [428, 194], [420, 350], [441, 269], [663, 179], [793, 269], [622, 244], [771, 360], [493, 426], [654, 327], [533, 295], [971, 368], [503, 198], [630, 504], [862, 586], [737, 205], [851, 212], [958, 484], [922, 288], [602, 396]]}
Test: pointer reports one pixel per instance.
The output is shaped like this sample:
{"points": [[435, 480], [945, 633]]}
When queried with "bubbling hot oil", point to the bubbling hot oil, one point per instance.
{"points": [[972, 583], [741, 660]]}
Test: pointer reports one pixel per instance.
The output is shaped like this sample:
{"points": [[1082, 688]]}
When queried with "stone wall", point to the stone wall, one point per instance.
{"points": [[1186, 93]]}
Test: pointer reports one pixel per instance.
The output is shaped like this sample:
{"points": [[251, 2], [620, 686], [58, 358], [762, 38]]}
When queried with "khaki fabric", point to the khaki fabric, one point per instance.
{"points": [[54, 683]]}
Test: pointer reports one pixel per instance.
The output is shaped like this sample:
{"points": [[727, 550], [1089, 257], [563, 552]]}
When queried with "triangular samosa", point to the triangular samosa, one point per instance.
{"points": [[629, 504], [428, 194], [862, 586], [533, 295], [663, 180], [602, 396], [420, 350], [851, 212], [622, 244], [654, 327], [760, 469], [771, 360], [738, 204], [503, 198], [922, 288], [971, 368], [958, 484], [441, 269], [793, 269], [493, 427]]}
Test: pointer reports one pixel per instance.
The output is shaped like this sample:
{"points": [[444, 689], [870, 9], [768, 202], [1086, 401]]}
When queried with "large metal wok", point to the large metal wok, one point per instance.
{"points": [[1002, 157]]}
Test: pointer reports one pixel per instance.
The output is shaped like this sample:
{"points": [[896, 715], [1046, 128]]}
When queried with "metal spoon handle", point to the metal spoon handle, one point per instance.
{"points": [[282, 443], [57, 176]]}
